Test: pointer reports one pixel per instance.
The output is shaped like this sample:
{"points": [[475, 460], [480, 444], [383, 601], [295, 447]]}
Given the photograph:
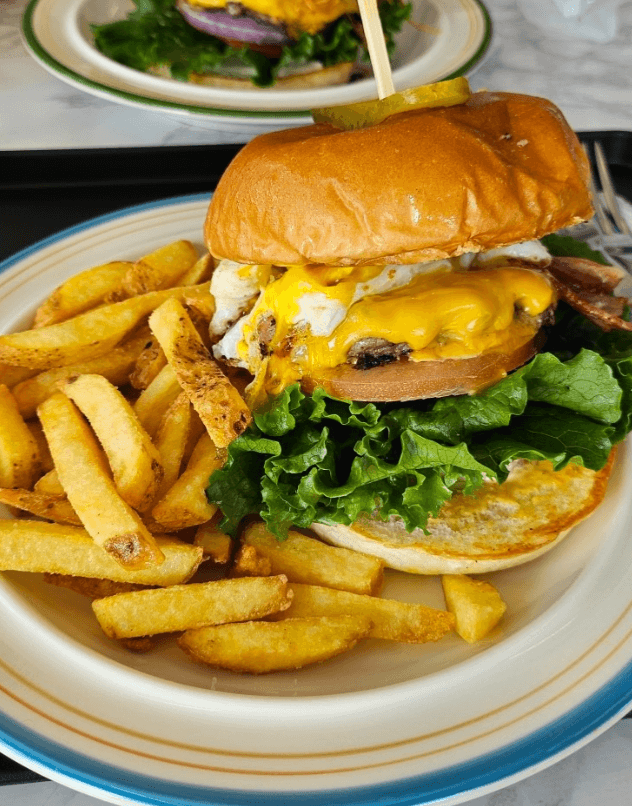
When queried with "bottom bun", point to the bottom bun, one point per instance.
{"points": [[499, 526], [319, 77]]}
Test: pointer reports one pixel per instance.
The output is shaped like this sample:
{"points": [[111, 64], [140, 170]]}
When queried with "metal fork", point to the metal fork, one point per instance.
{"points": [[613, 235]]}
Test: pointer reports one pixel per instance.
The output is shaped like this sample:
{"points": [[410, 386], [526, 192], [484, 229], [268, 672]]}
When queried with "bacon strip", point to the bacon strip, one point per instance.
{"points": [[588, 288]]}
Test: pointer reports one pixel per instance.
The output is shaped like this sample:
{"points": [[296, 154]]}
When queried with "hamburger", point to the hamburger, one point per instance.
{"points": [[264, 43], [434, 381]]}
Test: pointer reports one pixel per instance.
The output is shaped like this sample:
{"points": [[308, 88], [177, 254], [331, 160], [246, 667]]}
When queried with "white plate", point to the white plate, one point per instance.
{"points": [[57, 34], [381, 725]]}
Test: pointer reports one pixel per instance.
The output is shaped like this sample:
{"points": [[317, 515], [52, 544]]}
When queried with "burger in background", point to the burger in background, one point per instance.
{"points": [[263, 43]]}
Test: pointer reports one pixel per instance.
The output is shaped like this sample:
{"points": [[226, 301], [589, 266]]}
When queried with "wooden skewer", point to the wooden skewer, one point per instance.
{"points": [[377, 47]]}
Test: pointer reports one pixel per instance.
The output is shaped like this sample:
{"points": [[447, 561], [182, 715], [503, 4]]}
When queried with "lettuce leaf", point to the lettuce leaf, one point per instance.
{"points": [[567, 246], [315, 458]]}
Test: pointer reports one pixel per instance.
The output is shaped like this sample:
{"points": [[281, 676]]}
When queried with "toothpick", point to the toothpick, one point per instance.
{"points": [[377, 47]]}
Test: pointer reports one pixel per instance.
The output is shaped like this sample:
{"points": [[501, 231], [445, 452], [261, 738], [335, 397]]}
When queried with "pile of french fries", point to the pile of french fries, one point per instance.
{"points": [[113, 415]]}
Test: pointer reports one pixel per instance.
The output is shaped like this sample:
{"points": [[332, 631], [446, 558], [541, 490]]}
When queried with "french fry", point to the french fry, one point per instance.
{"points": [[10, 376], [148, 364], [87, 335], [476, 604], [90, 587], [201, 323], [52, 548], [45, 459], [49, 484], [199, 272], [155, 400], [138, 645], [19, 453], [160, 269], [216, 545], [305, 559], [50, 507], [219, 404], [83, 473], [80, 293], [392, 620], [196, 432], [171, 441], [183, 607], [115, 366], [249, 563], [134, 459], [258, 647], [186, 504]]}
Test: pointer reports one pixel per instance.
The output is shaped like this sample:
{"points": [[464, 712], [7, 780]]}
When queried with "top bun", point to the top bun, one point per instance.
{"points": [[422, 185]]}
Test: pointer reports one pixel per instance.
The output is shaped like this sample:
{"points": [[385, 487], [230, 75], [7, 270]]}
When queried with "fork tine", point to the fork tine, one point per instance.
{"points": [[609, 193], [603, 222]]}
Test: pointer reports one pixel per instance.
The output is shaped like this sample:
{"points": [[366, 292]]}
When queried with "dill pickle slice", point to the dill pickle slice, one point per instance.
{"points": [[368, 113]]}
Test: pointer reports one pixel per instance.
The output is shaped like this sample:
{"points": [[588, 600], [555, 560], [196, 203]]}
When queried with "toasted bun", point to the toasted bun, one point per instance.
{"points": [[422, 185], [419, 380], [498, 527], [319, 77]]}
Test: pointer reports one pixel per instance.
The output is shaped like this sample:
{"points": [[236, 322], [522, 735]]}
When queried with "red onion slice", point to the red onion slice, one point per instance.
{"points": [[225, 26]]}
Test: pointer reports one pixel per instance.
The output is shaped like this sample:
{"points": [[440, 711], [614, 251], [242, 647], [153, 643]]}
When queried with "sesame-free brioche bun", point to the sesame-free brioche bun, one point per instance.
{"points": [[422, 185], [498, 527]]}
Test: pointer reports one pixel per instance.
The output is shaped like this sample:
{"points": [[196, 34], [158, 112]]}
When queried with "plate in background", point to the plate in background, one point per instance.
{"points": [[382, 725], [57, 34]]}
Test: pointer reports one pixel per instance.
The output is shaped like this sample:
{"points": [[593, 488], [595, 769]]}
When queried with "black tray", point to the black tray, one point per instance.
{"points": [[42, 192]]}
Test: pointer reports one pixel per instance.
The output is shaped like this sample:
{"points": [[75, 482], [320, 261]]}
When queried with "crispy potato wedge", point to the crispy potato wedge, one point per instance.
{"points": [[57, 549], [19, 453], [200, 271], [392, 620], [183, 607], [88, 335], [10, 376], [219, 404], [196, 432], [51, 507], [308, 560], [134, 459], [155, 400], [148, 364], [201, 326], [115, 366], [45, 459], [49, 484], [172, 439], [249, 563], [80, 293], [216, 545], [90, 587], [186, 504], [258, 647], [160, 269], [84, 475], [139, 646], [476, 604]]}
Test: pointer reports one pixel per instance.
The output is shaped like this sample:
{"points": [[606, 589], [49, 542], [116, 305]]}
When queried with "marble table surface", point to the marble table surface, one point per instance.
{"points": [[591, 83]]}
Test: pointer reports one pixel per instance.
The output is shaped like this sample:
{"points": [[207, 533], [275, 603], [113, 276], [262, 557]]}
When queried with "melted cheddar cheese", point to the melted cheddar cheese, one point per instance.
{"points": [[308, 15], [307, 319]]}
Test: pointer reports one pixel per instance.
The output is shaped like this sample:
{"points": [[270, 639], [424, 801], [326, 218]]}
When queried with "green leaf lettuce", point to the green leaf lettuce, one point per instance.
{"points": [[315, 458]]}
